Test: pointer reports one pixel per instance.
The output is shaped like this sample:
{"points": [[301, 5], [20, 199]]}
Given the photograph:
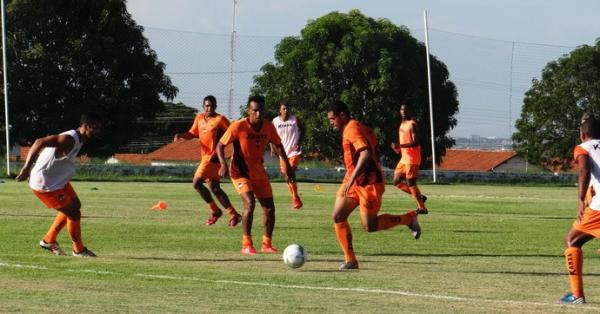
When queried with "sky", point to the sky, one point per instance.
{"points": [[492, 48]]}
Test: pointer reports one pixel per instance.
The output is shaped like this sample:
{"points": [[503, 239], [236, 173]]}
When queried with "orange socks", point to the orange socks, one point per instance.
{"points": [[403, 187], [416, 194], [74, 228], [293, 187], [574, 259], [231, 212], [246, 240], [387, 221], [266, 240], [59, 222], [344, 237]]}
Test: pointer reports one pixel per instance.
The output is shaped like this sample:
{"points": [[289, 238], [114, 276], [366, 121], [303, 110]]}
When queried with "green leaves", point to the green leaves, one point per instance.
{"points": [[373, 65]]}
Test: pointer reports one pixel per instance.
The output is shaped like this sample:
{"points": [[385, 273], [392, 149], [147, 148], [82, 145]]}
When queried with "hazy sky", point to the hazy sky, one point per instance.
{"points": [[489, 26]]}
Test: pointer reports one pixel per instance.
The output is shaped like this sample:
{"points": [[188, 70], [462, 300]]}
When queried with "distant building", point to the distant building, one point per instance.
{"points": [[482, 161]]}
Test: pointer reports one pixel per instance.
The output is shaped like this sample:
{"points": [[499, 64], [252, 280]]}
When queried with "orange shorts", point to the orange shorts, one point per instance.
{"points": [[590, 223], [58, 198], [260, 188], [208, 171], [410, 171], [368, 197], [294, 162]]}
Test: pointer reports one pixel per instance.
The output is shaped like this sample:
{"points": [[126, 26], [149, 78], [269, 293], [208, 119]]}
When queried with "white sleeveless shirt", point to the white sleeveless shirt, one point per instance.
{"points": [[289, 132], [591, 148], [51, 173]]}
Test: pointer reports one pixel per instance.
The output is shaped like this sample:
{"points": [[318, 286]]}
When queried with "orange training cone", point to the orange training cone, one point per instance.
{"points": [[160, 206]]}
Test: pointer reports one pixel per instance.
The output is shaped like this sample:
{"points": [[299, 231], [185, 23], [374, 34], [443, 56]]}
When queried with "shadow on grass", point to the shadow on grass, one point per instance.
{"points": [[561, 274], [464, 255]]}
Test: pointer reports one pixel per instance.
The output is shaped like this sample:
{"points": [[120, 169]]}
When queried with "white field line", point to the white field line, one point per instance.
{"points": [[317, 288]]}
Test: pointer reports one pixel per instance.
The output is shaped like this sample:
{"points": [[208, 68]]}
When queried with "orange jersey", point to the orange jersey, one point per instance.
{"points": [[249, 147], [406, 134], [209, 132], [355, 138]]}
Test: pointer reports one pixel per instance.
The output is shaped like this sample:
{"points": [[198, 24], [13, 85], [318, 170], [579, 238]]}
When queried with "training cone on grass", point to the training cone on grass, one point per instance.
{"points": [[160, 206], [318, 188]]}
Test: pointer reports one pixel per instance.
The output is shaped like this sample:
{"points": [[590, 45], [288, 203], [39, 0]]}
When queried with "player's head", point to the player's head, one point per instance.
{"points": [[338, 114], [210, 105], [405, 111], [90, 124], [284, 109], [255, 108], [589, 128]]}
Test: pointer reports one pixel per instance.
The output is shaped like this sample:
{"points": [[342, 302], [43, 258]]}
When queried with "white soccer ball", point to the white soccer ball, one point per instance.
{"points": [[294, 256]]}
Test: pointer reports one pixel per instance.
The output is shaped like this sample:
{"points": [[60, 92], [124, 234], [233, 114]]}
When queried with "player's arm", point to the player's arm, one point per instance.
{"points": [[280, 151], [413, 137], [301, 136], [583, 183], [221, 154], [63, 143], [273, 151], [184, 136], [363, 156]]}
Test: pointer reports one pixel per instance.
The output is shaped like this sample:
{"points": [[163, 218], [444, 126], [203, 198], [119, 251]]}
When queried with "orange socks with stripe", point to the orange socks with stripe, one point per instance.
{"points": [[74, 228], [344, 237], [59, 222], [387, 221], [416, 194], [246, 240], [231, 212], [574, 259]]}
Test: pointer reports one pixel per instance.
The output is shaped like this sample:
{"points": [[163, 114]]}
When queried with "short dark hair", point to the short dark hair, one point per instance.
{"points": [[590, 126], [90, 118], [210, 98], [257, 99], [337, 107]]}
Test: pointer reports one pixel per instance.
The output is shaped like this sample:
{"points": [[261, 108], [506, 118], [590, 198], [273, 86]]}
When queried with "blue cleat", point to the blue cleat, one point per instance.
{"points": [[569, 298]]}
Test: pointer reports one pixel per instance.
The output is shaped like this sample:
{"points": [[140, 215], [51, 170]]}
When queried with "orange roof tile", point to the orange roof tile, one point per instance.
{"points": [[133, 158], [185, 150], [474, 160]]}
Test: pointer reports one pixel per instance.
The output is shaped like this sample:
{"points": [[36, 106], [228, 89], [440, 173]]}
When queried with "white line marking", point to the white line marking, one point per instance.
{"points": [[264, 284]]}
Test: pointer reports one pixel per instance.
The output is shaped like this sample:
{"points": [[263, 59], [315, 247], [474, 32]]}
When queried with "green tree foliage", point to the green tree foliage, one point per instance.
{"points": [[373, 66], [548, 128], [66, 57]]}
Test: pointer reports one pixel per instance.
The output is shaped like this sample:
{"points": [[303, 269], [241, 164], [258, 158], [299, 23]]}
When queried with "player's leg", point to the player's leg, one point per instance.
{"points": [[268, 207], [574, 240], [411, 178], [292, 186], [215, 188], [342, 208], [215, 211], [249, 202], [400, 177]]}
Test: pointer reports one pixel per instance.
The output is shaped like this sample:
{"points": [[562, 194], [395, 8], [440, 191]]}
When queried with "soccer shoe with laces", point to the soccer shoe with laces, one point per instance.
{"points": [[53, 248], [266, 248], [423, 211], [84, 253], [415, 228], [569, 298], [235, 220], [297, 203], [345, 266], [248, 250], [213, 218]]}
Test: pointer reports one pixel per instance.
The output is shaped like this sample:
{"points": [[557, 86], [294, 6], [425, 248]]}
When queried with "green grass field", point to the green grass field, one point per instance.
{"points": [[492, 249]]}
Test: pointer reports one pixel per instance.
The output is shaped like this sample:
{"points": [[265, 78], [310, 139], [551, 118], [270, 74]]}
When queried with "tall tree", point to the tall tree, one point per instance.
{"points": [[66, 57], [374, 66], [548, 127]]}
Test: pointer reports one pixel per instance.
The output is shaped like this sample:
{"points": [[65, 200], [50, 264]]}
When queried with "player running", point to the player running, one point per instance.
{"points": [[587, 224], [54, 157], [208, 127], [289, 129], [363, 185], [250, 136], [410, 158]]}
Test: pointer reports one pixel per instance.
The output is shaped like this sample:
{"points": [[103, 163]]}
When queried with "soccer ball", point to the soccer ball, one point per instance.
{"points": [[294, 256]]}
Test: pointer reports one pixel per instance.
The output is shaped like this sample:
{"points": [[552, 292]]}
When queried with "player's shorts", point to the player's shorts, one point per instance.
{"points": [[294, 162], [590, 223], [368, 197], [410, 171], [57, 198], [260, 188], [208, 171]]}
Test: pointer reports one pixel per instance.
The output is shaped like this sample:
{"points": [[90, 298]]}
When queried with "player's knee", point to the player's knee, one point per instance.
{"points": [[216, 189], [339, 217], [412, 182], [73, 211]]}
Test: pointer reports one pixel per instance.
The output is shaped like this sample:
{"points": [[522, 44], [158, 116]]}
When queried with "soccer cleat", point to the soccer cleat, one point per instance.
{"points": [[267, 248], [345, 266], [569, 298], [422, 211], [53, 247], [415, 228], [84, 253], [423, 198], [213, 218], [235, 220], [297, 203], [248, 250]]}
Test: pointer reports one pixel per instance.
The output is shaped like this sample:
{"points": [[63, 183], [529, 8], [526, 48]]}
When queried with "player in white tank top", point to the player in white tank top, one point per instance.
{"points": [[54, 157], [289, 129], [587, 224]]}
